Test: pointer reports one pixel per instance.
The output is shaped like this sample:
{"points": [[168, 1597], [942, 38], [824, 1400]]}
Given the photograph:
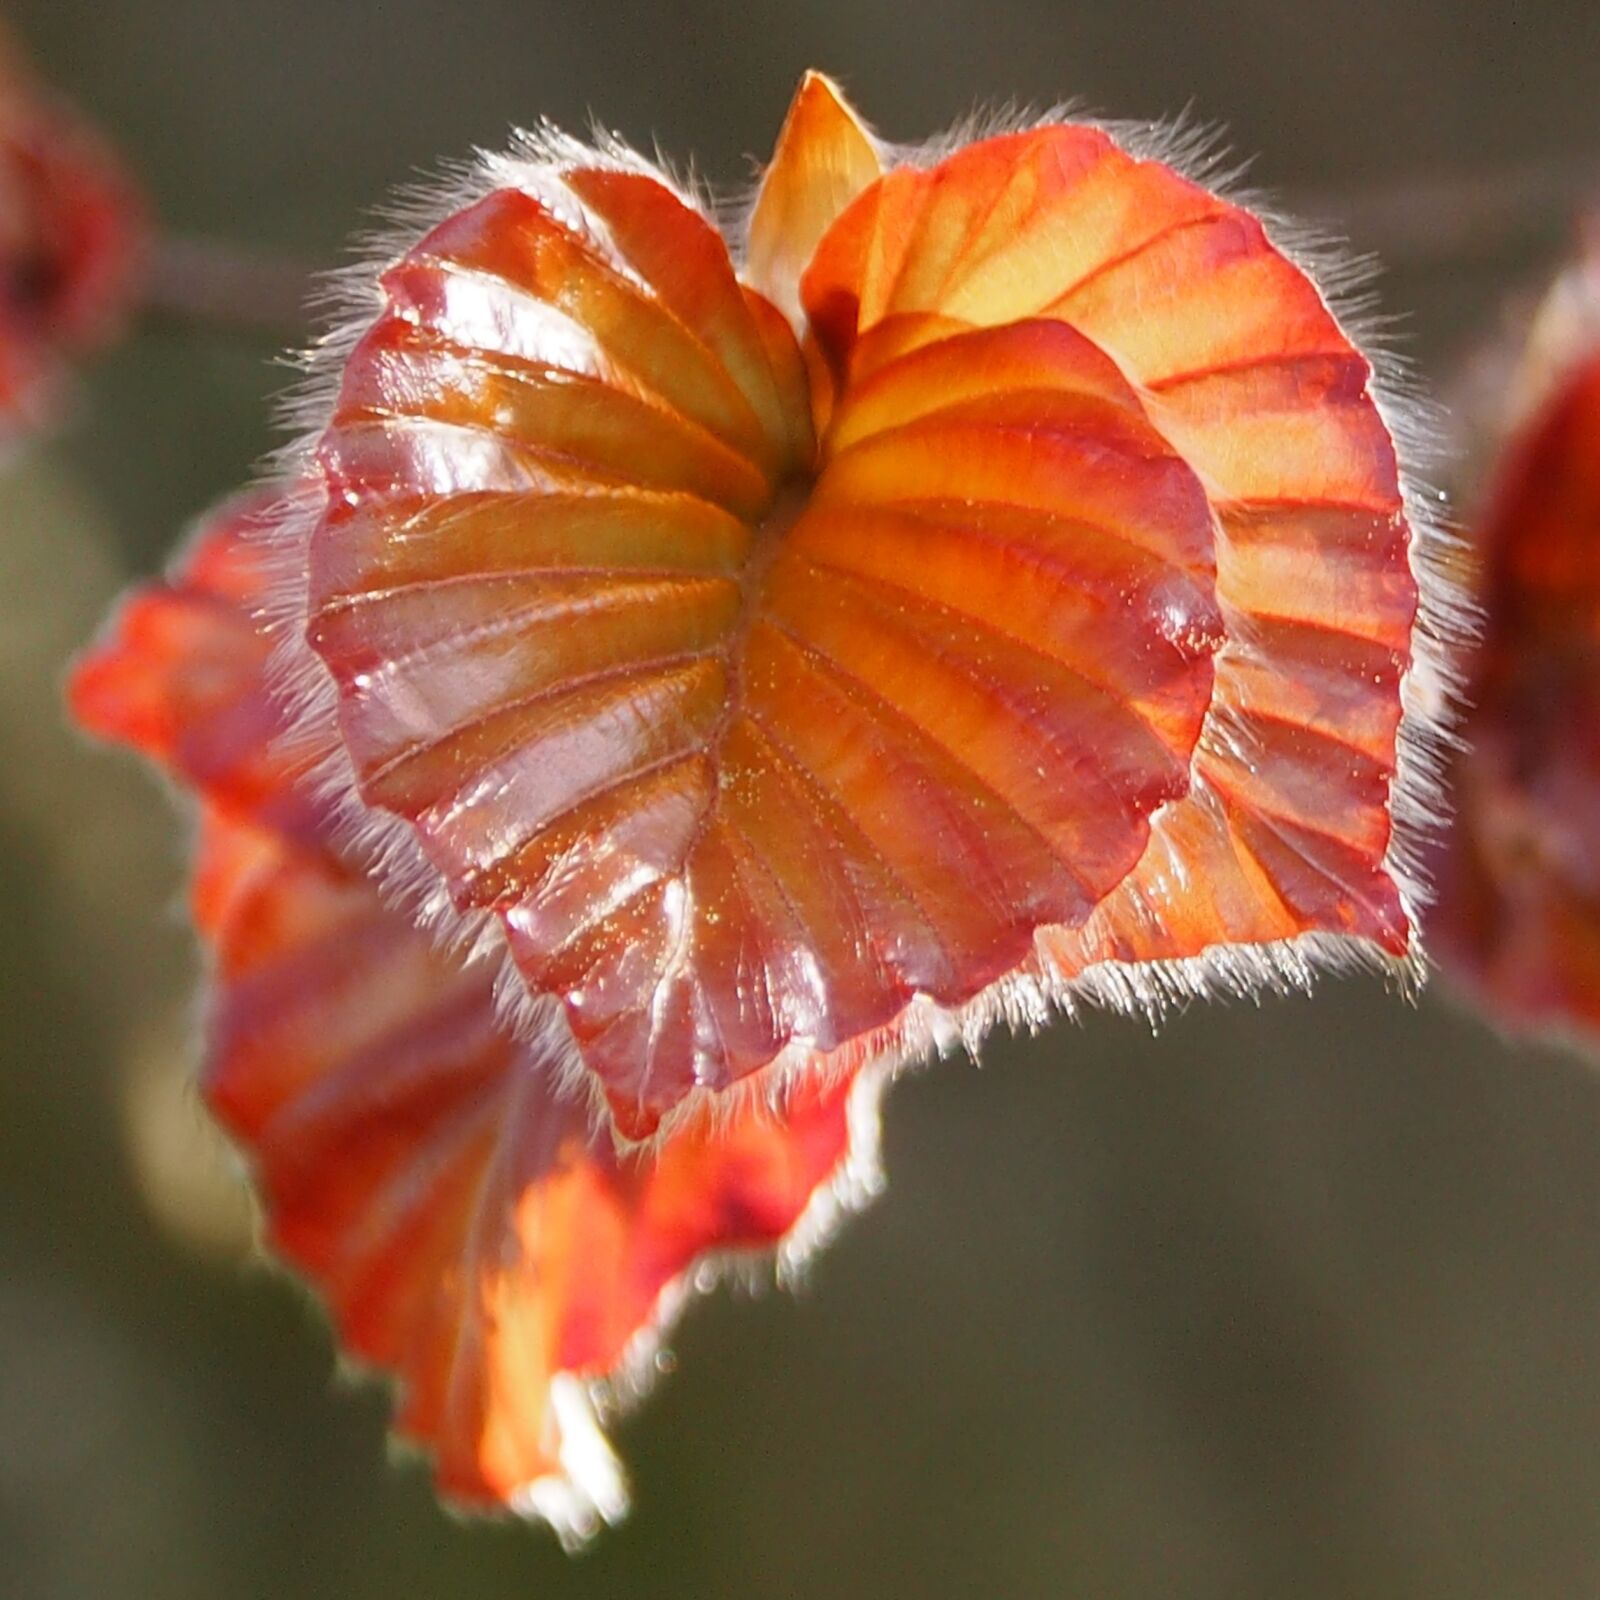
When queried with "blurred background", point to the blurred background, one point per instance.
{"points": [[1299, 1300]]}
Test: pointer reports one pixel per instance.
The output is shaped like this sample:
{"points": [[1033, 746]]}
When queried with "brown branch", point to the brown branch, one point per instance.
{"points": [[205, 282], [1426, 222], [1442, 219]]}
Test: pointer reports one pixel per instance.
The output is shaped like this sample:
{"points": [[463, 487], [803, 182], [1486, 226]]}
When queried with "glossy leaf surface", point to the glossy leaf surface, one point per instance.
{"points": [[1039, 596]]}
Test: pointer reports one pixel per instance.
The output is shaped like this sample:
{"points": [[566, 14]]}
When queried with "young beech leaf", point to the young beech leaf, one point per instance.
{"points": [[986, 579], [468, 1229], [181, 676], [1518, 916]]}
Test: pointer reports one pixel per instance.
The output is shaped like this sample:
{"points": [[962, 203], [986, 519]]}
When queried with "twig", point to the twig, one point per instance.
{"points": [[1444, 219], [1418, 223], [217, 285]]}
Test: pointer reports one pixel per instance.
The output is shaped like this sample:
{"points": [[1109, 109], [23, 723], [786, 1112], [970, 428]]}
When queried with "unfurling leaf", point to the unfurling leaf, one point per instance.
{"points": [[1005, 589]]}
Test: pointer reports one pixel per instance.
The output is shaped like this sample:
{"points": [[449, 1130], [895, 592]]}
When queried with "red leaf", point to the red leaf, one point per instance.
{"points": [[1518, 912], [71, 235], [470, 1232], [1031, 615]]}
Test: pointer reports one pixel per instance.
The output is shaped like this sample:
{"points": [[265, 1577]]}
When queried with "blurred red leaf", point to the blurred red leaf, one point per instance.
{"points": [[1518, 913], [71, 236]]}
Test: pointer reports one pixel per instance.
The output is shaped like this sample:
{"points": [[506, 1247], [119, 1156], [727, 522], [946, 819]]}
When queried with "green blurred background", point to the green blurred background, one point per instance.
{"points": [[1292, 1301]]}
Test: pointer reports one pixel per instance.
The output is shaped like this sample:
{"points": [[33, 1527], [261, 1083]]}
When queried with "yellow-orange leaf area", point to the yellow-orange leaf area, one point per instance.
{"points": [[1008, 574]]}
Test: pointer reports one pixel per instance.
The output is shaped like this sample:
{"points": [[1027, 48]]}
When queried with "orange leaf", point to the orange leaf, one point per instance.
{"points": [[1041, 595], [824, 158], [180, 675], [470, 1231]]}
